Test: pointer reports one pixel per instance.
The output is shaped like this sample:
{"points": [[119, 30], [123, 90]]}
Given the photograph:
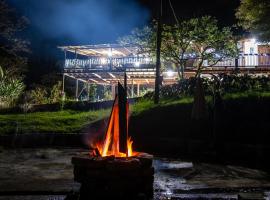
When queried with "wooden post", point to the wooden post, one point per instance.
{"points": [[125, 83], [77, 89], [88, 91], [236, 64], [113, 90], [132, 89], [110, 59], [138, 89], [158, 44], [65, 52], [76, 56]]}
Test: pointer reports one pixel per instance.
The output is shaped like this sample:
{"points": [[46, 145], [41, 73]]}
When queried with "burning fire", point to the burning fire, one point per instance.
{"points": [[110, 145]]}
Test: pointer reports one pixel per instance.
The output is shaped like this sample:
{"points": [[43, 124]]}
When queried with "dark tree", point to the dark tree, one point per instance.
{"points": [[254, 16], [13, 48]]}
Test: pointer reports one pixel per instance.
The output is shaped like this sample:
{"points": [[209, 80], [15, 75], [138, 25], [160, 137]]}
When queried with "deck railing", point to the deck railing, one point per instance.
{"points": [[243, 60], [247, 60]]}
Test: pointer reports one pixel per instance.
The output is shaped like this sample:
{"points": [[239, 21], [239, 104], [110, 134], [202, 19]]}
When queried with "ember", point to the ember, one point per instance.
{"points": [[112, 168]]}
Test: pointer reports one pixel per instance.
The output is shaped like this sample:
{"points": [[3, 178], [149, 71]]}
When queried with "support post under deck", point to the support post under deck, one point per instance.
{"points": [[138, 89], [63, 84], [113, 90], [132, 89], [77, 89], [88, 91]]}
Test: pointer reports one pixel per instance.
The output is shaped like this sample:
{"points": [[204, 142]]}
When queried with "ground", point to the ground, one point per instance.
{"points": [[42, 171]]}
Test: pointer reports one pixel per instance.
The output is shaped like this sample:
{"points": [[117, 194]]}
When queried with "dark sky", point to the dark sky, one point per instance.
{"points": [[102, 21], [76, 22], [223, 10]]}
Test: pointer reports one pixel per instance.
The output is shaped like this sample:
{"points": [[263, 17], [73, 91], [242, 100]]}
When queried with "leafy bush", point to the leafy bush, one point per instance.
{"points": [[56, 93], [42, 95], [221, 83], [11, 88], [38, 96]]}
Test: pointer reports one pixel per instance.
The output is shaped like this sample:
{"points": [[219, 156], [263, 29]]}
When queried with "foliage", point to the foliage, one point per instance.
{"points": [[39, 96], [107, 93], [12, 47], [226, 84], [92, 92], [43, 95], [11, 87], [254, 15], [192, 42], [176, 44], [210, 43], [56, 93], [144, 39], [25, 102]]}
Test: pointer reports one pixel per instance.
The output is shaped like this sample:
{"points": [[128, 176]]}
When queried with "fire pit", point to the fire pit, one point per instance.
{"points": [[112, 168], [113, 176]]}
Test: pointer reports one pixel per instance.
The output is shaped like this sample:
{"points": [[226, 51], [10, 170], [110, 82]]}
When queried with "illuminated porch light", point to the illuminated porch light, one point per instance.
{"points": [[169, 73], [137, 64], [109, 53], [147, 60], [253, 40]]}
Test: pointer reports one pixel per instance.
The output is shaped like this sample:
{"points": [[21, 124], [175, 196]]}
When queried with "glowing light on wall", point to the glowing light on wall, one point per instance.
{"points": [[137, 64], [147, 60], [253, 40], [109, 53], [169, 73]]}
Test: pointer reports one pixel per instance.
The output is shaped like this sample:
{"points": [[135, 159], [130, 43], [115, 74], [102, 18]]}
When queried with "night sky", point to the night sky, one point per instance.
{"points": [[76, 22], [223, 10], [103, 21]]}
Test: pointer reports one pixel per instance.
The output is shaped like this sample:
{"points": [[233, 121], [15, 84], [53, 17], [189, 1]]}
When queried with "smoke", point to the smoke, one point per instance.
{"points": [[83, 21]]}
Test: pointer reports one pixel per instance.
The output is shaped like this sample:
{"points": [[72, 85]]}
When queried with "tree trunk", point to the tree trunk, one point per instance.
{"points": [[179, 72], [182, 72], [198, 72], [158, 43]]}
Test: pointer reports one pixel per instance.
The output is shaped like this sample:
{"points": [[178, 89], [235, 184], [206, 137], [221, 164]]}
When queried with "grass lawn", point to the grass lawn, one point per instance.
{"points": [[69, 121], [145, 104], [53, 122]]}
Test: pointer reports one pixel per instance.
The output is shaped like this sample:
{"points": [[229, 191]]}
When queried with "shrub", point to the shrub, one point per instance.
{"points": [[38, 96], [221, 83], [56, 93], [11, 87]]}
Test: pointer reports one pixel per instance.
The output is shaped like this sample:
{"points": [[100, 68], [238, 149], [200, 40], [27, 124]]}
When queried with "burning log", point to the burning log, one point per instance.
{"points": [[123, 115]]}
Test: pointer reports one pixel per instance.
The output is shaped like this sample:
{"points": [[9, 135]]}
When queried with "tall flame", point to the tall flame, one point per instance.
{"points": [[110, 145]]}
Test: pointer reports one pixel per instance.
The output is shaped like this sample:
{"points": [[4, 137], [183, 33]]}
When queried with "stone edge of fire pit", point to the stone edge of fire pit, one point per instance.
{"points": [[88, 160]]}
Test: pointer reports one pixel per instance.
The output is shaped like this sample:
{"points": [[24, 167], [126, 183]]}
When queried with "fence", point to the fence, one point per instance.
{"points": [[246, 60]]}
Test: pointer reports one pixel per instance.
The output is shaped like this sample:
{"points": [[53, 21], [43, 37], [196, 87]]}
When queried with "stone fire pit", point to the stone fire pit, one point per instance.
{"points": [[114, 177]]}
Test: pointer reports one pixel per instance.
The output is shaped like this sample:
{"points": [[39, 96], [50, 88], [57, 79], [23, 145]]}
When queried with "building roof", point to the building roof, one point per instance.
{"points": [[102, 50]]}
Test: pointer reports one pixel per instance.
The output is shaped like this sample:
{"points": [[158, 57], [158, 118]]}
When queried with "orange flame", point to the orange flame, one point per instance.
{"points": [[110, 145], [129, 145]]}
